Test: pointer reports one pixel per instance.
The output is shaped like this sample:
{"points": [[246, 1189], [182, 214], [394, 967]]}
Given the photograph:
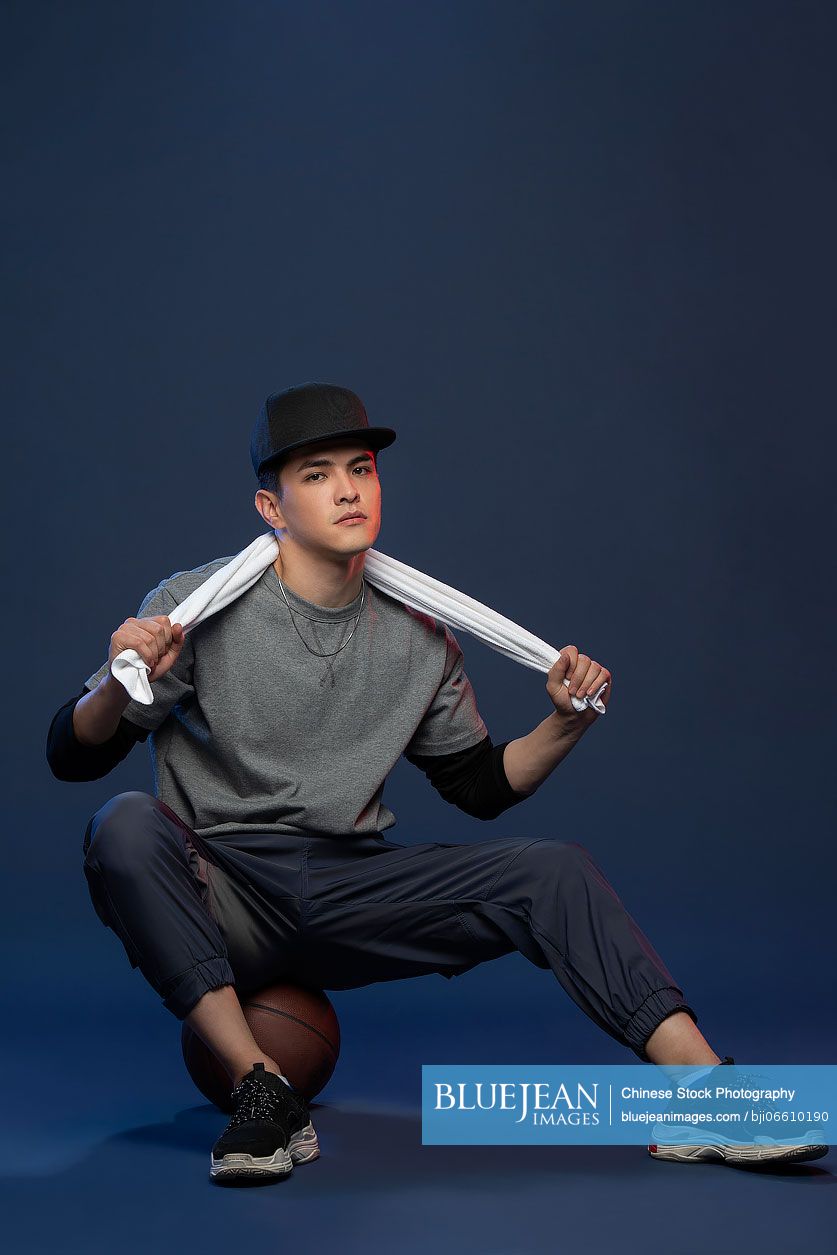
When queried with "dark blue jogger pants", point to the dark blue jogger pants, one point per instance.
{"points": [[195, 913]]}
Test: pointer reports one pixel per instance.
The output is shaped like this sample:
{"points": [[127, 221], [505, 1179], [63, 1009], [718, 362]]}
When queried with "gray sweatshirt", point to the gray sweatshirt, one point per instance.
{"points": [[266, 737]]}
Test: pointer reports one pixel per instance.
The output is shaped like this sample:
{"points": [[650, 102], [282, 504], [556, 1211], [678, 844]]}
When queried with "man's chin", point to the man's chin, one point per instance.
{"points": [[361, 535], [359, 542]]}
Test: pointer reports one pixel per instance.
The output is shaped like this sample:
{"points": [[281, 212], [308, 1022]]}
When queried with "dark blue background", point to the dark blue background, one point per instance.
{"points": [[581, 257]]}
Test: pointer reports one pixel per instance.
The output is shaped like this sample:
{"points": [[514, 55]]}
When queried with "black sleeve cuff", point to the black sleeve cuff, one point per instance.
{"points": [[69, 759], [473, 779]]}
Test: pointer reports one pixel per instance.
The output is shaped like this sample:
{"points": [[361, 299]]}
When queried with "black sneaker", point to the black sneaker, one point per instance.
{"points": [[694, 1143], [270, 1131]]}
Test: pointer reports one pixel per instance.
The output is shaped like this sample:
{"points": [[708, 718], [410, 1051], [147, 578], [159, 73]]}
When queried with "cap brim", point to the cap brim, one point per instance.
{"points": [[376, 438]]}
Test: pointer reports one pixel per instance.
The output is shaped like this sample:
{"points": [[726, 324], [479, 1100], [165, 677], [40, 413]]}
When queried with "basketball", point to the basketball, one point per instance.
{"points": [[296, 1026]]}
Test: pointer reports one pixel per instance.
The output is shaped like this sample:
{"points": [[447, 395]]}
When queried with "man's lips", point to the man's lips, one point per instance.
{"points": [[352, 518]]}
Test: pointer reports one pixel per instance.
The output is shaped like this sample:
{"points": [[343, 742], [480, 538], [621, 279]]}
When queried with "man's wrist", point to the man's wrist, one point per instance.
{"points": [[113, 694], [528, 760], [561, 730], [96, 715]]}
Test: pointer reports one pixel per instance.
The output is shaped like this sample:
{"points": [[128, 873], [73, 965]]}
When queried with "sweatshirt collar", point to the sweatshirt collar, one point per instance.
{"points": [[323, 614]]}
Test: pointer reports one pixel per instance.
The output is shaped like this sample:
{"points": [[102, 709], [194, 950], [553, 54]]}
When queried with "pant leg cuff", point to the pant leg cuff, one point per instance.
{"points": [[650, 1013], [184, 990]]}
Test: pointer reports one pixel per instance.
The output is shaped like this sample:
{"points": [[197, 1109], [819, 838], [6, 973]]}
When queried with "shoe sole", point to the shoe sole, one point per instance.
{"points": [[748, 1154], [302, 1148]]}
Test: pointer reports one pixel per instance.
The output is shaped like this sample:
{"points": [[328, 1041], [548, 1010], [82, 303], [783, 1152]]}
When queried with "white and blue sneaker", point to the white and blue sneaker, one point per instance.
{"points": [[713, 1141]]}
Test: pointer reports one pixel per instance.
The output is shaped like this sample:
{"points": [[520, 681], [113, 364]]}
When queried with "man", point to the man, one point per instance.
{"points": [[274, 726]]}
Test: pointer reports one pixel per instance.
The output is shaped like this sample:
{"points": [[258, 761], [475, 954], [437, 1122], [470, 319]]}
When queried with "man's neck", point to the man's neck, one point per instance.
{"points": [[323, 581]]}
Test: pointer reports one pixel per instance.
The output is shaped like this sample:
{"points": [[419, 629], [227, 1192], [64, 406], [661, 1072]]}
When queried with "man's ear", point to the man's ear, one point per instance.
{"points": [[269, 508]]}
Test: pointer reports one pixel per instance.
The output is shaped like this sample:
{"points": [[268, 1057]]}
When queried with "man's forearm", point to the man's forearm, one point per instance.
{"points": [[530, 759], [96, 716]]}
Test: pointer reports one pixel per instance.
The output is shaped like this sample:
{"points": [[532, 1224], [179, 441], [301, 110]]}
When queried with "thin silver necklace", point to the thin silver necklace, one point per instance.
{"points": [[329, 670]]}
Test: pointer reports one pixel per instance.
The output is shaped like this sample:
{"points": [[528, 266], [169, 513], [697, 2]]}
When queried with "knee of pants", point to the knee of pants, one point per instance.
{"points": [[542, 863], [121, 829], [556, 857]]}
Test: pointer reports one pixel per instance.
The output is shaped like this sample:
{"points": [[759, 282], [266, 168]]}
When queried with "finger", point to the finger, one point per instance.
{"points": [[592, 679], [141, 644], [556, 679], [162, 629], [166, 642], [150, 640], [580, 670], [605, 683], [564, 663]]}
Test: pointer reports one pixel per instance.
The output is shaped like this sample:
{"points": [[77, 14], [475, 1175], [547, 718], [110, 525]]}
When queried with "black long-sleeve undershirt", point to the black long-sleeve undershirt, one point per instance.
{"points": [[70, 759], [473, 779]]}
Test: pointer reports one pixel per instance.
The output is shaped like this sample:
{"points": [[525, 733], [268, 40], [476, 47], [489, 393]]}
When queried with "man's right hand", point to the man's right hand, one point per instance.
{"points": [[157, 641]]}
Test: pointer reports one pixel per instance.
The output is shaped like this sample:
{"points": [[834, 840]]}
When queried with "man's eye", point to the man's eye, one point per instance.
{"points": [[368, 469]]}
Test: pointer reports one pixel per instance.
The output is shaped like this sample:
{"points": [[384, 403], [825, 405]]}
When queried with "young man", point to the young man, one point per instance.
{"points": [[274, 726]]}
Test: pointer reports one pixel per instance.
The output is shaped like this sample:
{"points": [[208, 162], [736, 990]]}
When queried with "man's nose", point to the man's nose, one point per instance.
{"points": [[350, 489]]}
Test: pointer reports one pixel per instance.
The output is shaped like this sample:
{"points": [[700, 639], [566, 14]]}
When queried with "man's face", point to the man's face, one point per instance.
{"points": [[323, 482]]}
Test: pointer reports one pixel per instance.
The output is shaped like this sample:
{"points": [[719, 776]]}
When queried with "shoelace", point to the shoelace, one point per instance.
{"points": [[254, 1101], [763, 1105]]}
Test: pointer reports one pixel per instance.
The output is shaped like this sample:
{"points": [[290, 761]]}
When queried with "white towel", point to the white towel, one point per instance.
{"points": [[403, 582]]}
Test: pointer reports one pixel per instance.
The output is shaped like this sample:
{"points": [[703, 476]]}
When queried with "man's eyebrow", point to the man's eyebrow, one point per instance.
{"points": [[359, 457]]}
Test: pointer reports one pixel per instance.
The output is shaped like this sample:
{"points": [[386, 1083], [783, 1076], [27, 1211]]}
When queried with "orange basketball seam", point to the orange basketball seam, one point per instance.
{"points": [[260, 1006]]}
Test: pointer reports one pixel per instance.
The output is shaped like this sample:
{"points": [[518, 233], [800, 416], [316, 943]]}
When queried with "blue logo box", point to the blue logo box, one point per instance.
{"points": [[627, 1104]]}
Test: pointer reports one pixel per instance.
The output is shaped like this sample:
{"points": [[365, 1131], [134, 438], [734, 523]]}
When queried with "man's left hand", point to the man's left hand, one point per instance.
{"points": [[586, 676]]}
